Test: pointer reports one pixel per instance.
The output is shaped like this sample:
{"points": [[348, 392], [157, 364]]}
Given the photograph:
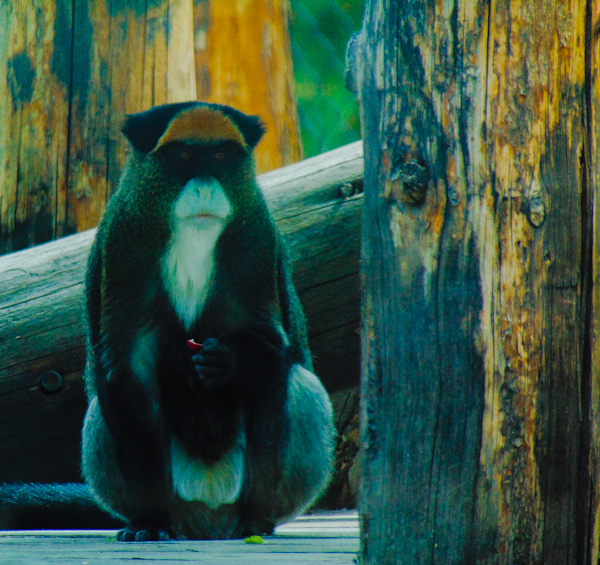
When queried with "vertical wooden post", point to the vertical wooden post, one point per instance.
{"points": [[243, 59], [480, 347], [75, 68]]}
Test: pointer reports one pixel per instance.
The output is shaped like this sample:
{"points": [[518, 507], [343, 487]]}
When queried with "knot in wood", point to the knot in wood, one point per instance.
{"points": [[413, 180], [51, 381], [537, 205], [350, 188], [537, 211]]}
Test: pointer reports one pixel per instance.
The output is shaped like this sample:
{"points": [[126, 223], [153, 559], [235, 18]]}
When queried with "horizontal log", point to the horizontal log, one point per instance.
{"points": [[317, 206]]}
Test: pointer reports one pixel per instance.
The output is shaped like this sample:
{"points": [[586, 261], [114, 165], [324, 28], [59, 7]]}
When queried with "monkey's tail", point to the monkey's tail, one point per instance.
{"points": [[69, 506]]}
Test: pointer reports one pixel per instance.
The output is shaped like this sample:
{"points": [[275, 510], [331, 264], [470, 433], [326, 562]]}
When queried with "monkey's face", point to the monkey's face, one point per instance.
{"points": [[202, 171], [197, 159]]}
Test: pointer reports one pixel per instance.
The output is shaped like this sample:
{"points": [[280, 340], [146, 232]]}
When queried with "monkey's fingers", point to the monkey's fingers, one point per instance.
{"points": [[215, 355], [213, 346], [217, 360], [215, 363]]}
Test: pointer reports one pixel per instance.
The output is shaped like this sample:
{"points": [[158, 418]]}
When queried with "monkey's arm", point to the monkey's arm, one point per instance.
{"points": [[124, 383]]}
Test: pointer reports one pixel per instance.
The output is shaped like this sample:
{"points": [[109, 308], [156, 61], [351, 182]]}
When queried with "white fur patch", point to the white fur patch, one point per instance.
{"points": [[199, 216], [143, 363], [214, 485], [143, 356]]}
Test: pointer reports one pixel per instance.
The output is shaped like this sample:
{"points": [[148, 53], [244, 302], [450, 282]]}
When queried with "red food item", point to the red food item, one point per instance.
{"points": [[195, 347]]}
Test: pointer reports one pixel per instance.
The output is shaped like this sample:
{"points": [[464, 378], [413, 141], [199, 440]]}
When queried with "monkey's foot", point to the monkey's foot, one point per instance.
{"points": [[133, 533], [264, 528]]}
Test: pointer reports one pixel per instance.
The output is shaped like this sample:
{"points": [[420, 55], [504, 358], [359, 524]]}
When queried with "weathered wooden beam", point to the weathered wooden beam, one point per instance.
{"points": [[481, 344], [69, 72], [231, 70], [317, 206]]}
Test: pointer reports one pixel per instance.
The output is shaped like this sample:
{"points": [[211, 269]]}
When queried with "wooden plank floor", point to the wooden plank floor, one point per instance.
{"points": [[319, 539]]}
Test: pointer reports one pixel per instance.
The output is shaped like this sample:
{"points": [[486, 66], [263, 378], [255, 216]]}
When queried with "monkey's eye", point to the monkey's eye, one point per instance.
{"points": [[185, 156], [225, 152]]}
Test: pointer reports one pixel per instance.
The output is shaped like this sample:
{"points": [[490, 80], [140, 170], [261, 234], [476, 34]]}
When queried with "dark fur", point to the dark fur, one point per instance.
{"points": [[252, 314], [54, 506]]}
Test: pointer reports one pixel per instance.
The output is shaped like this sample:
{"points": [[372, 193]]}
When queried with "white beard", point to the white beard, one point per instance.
{"points": [[199, 216]]}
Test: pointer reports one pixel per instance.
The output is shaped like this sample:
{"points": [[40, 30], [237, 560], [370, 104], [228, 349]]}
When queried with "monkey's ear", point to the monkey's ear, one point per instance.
{"points": [[252, 128], [143, 130]]}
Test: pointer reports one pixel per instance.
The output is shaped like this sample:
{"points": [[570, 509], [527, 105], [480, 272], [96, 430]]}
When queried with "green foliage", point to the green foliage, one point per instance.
{"points": [[320, 30]]}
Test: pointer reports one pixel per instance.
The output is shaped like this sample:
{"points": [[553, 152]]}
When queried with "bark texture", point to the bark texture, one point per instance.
{"points": [[243, 59], [480, 347]]}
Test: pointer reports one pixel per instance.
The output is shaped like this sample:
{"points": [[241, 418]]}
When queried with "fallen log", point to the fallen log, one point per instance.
{"points": [[317, 206]]}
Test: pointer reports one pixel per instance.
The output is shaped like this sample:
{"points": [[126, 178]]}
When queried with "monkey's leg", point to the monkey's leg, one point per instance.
{"points": [[99, 464], [307, 458], [106, 474]]}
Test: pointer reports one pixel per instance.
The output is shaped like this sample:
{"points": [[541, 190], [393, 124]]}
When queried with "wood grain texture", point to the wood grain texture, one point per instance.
{"points": [[480, 348], [42, 325], [33, 124], [592, 384], [322, 539], [243, 59], [73, 70]]}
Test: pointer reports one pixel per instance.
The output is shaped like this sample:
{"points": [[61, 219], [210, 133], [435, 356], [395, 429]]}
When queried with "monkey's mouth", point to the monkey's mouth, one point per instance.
{"points": [[203, 220], [203, 217]]}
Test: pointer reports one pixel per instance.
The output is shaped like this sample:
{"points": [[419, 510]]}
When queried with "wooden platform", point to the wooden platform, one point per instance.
{"points": [[320, 539]]}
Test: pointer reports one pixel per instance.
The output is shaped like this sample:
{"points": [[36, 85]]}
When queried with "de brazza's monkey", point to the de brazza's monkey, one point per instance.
{"points": [[234, 438]]}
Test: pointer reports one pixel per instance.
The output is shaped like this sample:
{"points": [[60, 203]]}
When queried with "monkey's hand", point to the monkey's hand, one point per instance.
{"points": [[140, 533], [215, 363]]}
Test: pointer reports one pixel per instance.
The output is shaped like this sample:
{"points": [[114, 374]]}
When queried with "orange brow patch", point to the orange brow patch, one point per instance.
{"points": [[203, 125]]}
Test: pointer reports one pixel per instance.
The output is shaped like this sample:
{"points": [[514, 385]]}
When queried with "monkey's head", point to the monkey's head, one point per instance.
{"points": [[195, 158], [188, 199]]}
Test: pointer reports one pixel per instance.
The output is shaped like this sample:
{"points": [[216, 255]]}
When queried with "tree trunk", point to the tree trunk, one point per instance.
{"points": [[481, 347], [72, 72], [244, 59]]}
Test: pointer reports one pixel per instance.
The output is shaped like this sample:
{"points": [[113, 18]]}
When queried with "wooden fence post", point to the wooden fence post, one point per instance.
{"points": [[72, 69], [70, 72], [243, 59], [481, 351]]}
